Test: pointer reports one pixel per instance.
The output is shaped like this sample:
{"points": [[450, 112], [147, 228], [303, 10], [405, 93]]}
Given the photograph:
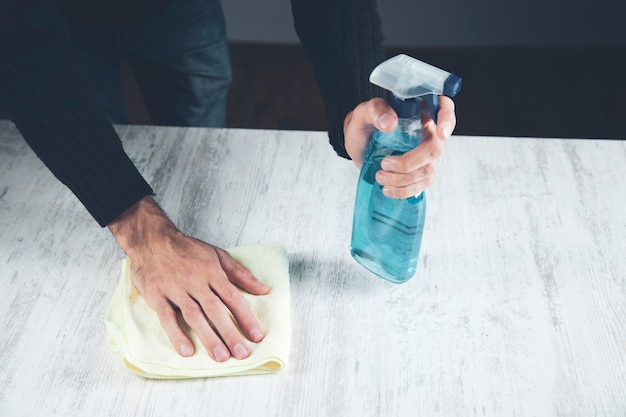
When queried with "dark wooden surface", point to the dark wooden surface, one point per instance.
{"points": [[574, 92], [515, 91]]}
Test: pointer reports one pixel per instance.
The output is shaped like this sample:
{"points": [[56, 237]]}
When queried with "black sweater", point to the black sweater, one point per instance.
{"points": [[48, 101]]}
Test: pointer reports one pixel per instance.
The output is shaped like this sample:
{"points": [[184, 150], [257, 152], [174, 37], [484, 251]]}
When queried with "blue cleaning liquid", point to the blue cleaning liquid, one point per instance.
{"points": [[387, 232]]}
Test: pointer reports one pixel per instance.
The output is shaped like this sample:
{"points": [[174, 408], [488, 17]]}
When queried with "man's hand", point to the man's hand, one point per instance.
{"points": [[405, 175], [177, 273]]}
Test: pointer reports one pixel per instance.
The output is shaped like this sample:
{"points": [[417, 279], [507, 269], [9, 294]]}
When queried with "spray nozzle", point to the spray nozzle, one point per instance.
{"points": [[409, 79]]}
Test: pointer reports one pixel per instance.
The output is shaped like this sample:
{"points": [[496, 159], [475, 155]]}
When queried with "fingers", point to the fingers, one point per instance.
{"points": [[375, 113], [183, 278], [169, 321], [446, 118], [210, 306], [407, 184], [232, 298], [411, 173], [195, 318], [240, 275], [201, 288], [210, 318]]}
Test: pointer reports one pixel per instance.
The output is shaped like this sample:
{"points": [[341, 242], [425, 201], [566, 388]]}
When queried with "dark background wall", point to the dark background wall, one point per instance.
{"points": [[453, 23], [542, 68], [550, 68]]}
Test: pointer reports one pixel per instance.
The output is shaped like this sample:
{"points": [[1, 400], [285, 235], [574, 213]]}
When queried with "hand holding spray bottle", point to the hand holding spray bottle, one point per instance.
{"points": [[387, 232]]}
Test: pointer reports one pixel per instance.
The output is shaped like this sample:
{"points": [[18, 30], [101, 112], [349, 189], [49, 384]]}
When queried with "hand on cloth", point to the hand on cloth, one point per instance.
{"points": [[135, 332], [404, 175], [178, 274]]}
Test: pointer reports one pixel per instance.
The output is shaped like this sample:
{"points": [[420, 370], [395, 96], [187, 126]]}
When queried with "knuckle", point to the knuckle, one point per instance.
{"points": [[375, 107], [189, 310], [376, 102], [213, 307], [448, 103], [429, 170], [361, 109], [166, 314], [229, 294], [240, 272], [402, 164], [436, 150]]}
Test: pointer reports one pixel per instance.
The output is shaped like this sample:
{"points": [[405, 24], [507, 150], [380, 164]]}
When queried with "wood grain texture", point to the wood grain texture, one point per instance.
{"points": [[518, 307]]}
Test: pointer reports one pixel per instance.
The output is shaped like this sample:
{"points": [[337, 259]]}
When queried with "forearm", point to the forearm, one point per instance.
{"points": [[50, 104], [343, 39]]}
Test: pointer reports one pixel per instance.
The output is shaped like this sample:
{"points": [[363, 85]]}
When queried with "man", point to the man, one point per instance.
{"points": [[51, 103]]}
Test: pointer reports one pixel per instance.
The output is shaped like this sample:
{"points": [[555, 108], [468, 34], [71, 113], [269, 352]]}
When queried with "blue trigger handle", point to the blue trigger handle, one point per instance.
{"points": [[451, 86]]}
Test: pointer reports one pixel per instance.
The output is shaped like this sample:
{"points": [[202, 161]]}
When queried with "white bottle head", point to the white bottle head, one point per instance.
{"points": [[408, 78]]}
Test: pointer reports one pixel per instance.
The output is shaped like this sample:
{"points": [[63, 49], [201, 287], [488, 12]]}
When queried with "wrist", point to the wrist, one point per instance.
{"points": [[140, 226]]}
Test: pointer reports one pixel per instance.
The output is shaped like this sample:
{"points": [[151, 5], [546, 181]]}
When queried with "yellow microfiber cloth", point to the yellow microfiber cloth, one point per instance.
{"points": [[136, 333]]}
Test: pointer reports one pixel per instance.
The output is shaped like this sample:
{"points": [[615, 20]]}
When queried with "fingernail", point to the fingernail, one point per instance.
{"points": [[386, 165], [185, 350], [447, 129], [256, 335], [220, 354], [240, 351], [384, 121], [380, 178]]}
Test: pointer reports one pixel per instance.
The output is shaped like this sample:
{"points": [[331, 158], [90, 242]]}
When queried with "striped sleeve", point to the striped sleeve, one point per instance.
{"points": [[49, 102], [344, 42]]}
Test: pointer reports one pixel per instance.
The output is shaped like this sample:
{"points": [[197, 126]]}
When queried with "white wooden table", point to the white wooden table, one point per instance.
{"points": [[518, 307]]}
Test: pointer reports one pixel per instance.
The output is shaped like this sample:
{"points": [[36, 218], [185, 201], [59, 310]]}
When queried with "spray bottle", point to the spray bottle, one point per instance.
{"points": [[387, 232]]}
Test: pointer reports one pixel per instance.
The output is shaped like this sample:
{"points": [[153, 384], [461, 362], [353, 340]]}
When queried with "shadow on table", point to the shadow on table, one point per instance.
{"points": [[309, 269]]}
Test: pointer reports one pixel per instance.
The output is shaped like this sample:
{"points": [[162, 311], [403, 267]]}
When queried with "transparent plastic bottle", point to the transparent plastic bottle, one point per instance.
{"points": [[387, 232]]}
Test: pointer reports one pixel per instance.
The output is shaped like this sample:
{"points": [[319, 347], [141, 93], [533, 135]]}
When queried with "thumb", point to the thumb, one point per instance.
{"points": [[363, 122], [381, 115]]}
